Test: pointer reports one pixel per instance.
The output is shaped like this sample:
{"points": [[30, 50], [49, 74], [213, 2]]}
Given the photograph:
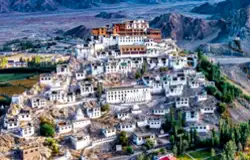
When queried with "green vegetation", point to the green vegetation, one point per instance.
{"points": [[129, 150], [105, 108], [222, 90], [47, 130], [15, 76], [99, 90], [149, 144], [52, 144], [163, 69], [123, 139], [202, 154]]}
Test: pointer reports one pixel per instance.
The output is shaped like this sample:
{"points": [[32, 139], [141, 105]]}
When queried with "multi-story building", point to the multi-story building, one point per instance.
{"points": [[79, 121], [86, 88], [24, 115], [130, 40], [46, 79], [161, 110], [38, 102], [128, 94], [174, 90], [64, 127], [154, 122], [127, 126], [109, 132], [192, 116], [30, 152], [94, 112], [11, 122], [181, 102], [27, 130], [132, 50], [80, 142], [63, 69], [140, 138]]}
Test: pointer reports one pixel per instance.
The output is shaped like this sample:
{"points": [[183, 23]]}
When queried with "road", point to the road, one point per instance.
{"points": [[230, 60]]}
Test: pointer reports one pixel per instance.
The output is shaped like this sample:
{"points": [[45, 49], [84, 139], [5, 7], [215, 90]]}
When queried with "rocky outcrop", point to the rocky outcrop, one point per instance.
{"points": [[79, 32], [107, 15], [180, 27], [222, 9]]}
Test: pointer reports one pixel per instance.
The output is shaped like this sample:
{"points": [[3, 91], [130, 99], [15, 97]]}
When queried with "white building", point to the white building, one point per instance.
{"points": [[27, 130], [83, 51], [123, 115], [24, 115], [79, 121], [142, 121], [130, 40], [137, 24], [94, 112], [136, 110], [96, 68], [127, 126], [62, 96], [207, 109], [160, 110], [64, 127], [17, 99], [154, 82], [86, 88], [154, 123], [63, 69], [178, 79], [200, 127], [80, 142], [178, 62], [182, 102], [38, 102], [46, 79], [80, 75], [174, 90], [109, 132], [201, 97], [192, 116], [128, 94], [10, 122], [140, 138]]}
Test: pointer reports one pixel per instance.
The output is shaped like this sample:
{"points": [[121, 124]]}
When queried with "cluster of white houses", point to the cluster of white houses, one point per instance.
{"points": [[170, 75]]}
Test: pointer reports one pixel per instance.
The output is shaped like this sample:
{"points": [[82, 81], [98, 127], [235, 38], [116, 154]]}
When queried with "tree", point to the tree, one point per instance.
{"points": [[230, 150], [144, 68], [175, 150], [123, 139], [141, 157], [213, 152], [222, 107], [130, 150], [105, 107], [149, 143], [47, 130], [138, 74], [99, 90]]}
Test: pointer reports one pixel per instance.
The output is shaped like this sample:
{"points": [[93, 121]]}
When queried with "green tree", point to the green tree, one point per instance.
{"points": [[149, 143], [213, 152], [230, 150], [175, 150], [130, 150], [47, 130], [99, 90], [123, 138], [105, 107], [138, 74]]}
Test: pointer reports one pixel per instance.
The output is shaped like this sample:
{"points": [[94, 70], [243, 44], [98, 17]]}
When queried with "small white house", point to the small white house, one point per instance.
{"points": [[27, 130], [86, 88], [109, 132], [79, 121], [174, 90], [136, 109], [182, 102], [140, 139], [63, 69], [208, 109], [80, 142], [24, 115], [46, 79], [64, 127], [80, 75], [122, 115], [38, 102], [201, 97], [161, 110], [192, 116], [17, 99], [94, 112], [11, 122], [154, 123], [142, 121], [200, 128], [127, 126]]}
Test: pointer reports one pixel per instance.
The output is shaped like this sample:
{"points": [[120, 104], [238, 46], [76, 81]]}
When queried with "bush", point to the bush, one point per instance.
{"points": [[105, 107], [222, 107], [47, 130], [130, 150]]}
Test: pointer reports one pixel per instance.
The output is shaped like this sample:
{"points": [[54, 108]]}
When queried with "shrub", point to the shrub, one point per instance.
{"points": [[47, 130], [222, 107]]}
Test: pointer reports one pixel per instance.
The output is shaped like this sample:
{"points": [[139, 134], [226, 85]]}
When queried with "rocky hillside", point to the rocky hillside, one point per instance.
{"points": [[222, 9], [180, 27], [80, 32], [107, 15]]}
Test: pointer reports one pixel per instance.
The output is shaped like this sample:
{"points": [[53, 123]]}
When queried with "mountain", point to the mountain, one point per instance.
{"points": [[180, 27], [107, 15], [222, 9], [79, 31]]}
